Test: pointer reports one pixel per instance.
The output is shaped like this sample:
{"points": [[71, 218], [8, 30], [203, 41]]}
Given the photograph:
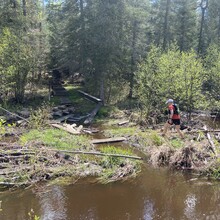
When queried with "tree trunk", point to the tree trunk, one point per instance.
{"points": [[82, 46], [134, 40], [203, 5], [183, 34], [165, 27], [219, 25], [102, 90], [24, 7]]}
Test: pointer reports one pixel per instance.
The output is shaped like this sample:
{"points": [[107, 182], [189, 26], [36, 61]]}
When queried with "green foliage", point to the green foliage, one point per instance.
{"points": [[122, 131], [155, 138], [40, 116], [169, 74], [177, 143], [104, 112], [215, 169], [54, 138], [4, 127], [113, 166]]}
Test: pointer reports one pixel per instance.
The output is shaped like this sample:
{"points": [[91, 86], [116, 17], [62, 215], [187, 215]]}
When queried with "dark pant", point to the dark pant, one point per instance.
{"points": [[175, 121]]}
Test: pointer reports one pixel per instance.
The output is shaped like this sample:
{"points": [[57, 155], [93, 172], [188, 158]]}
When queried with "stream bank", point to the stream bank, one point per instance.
{"points": [[37, 152]]}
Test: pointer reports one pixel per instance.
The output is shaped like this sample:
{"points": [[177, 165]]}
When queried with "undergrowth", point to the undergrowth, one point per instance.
{"points": [[54, 138]]}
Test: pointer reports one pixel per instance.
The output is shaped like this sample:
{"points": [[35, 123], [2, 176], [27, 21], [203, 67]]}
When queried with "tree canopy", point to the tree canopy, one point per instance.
{"points": [[143, 49]]}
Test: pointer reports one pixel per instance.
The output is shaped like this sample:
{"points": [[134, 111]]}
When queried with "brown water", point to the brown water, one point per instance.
{"points": [[156, 194]]}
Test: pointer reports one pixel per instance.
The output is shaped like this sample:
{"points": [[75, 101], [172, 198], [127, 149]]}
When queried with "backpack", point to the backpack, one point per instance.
{"points": [[176, 109]]}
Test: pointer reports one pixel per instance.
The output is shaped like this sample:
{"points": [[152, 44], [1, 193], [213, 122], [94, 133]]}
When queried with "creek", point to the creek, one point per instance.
{"points": [[155, 194]]}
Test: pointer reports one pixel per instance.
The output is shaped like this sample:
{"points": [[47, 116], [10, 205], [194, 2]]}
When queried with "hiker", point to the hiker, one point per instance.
{"points": [[174, 118]]}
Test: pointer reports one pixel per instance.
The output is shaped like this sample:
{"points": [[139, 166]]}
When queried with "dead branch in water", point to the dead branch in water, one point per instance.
{"points": [[210, 140], [108, 140], [98, 154]]}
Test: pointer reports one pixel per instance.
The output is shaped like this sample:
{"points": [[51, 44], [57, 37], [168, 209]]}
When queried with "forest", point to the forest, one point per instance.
{"points": [[83, 110], [127, 51]]}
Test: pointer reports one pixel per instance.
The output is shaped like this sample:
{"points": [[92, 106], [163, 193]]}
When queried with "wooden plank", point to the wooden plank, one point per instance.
{"points": [[123, 122], [67, 129], [108, 140], [90, 97]]}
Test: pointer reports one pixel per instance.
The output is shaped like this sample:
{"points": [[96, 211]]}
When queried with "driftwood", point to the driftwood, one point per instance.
{"points": [[99, 154], [123, 122], [108, 140], [210, 140], [69, 129], [90, 131]]}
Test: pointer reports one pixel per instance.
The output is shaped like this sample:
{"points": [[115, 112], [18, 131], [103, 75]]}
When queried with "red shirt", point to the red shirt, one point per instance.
{"points": [[175, 116]]}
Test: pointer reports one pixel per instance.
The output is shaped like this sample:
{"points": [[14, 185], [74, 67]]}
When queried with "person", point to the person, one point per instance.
{"points": [[174, 118]]}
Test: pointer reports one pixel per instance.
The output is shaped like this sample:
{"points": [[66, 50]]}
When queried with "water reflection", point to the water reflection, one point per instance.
{"points": [[157, 194], [190, 203], [148, 210], [53, 203]]}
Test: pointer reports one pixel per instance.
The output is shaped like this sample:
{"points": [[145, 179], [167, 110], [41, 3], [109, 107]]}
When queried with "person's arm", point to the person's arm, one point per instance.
{"points": [[170, 116]]}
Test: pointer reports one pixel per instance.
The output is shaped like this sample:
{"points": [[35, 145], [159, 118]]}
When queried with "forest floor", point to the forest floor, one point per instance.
{"points": [[34, 152]]}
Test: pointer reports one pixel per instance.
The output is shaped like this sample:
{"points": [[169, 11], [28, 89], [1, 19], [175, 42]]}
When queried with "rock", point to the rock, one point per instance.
{"points": [[24, 113], [58, 114], [66, 112], [62, 107]]}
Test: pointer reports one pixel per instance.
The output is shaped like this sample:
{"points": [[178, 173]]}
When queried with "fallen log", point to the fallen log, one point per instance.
{"points": [[108, 140], [93, 114], [99, 154], [210, 140], [123, 122], [63, 118], [203, 130], [14, 114], [68, 129], [90, 97]]}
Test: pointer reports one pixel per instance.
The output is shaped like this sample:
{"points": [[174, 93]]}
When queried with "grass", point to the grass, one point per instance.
{"points": [[78, 100], [177, 143], [57, 139], [114, 168], [122, 131]]}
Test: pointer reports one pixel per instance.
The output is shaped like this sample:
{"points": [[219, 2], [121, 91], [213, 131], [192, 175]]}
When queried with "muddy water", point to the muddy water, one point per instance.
{"points": [[156, 194]]}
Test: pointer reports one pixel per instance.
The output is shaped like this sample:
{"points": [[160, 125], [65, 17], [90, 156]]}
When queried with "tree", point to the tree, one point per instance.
{"points": [[23, 44], [211, 80], [201, 41], [185, 25], [171, 74]]}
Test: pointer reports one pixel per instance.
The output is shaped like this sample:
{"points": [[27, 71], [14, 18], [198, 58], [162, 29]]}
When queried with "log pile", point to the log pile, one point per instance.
{"points": [[21, 166]]}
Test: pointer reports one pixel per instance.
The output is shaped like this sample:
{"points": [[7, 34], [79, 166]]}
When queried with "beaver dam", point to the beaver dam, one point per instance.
{"points": [[45, 149]]}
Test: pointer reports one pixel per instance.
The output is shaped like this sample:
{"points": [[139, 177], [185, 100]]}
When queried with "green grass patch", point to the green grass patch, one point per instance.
{"points": [[177, 143], [122, 131], [78, 100], [55, 138], [115, 167]]}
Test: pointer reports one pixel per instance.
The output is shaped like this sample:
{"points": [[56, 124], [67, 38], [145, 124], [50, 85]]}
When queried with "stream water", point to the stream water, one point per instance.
{"points": [[155, 194]]}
